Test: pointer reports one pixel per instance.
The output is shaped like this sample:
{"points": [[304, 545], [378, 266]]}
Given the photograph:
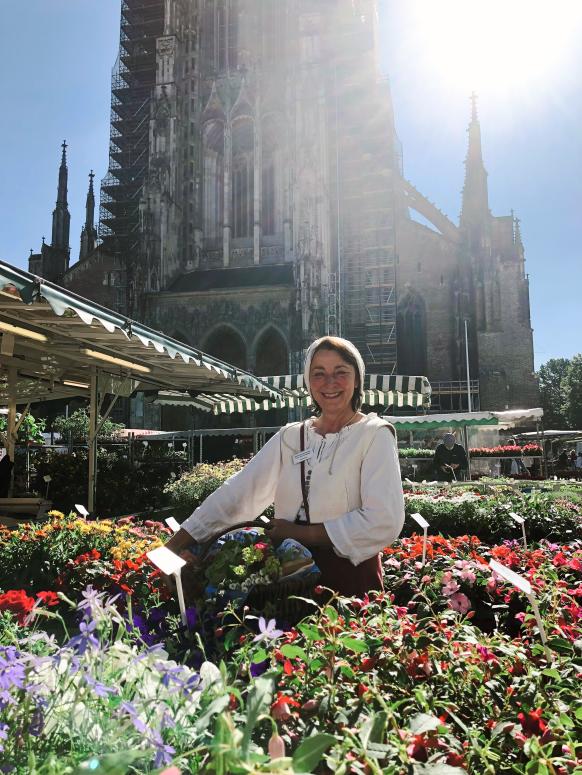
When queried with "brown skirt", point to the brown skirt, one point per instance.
{"points": [[339, 574]]}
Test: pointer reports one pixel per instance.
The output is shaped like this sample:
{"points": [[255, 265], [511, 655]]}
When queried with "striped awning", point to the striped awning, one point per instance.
{"points": [[384, 382], [294, 398]]}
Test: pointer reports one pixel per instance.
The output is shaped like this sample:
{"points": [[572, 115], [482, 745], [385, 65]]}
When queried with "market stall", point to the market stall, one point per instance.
{"points": [[57, 345]]}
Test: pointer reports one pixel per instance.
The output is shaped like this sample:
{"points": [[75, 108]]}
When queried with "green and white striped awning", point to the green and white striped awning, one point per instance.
{"points": [[57, 337], [381, 390]]}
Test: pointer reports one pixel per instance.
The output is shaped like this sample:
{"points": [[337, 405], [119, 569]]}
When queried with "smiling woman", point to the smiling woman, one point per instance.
{"points": [[495, 45]]}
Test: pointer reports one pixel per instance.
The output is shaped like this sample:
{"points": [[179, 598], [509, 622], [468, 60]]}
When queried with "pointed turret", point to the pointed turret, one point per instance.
{"points": [[89, 233], [61, 216], [475, 214]]}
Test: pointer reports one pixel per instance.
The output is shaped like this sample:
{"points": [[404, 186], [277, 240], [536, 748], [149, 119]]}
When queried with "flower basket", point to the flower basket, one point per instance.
{"points": [[270, 581]]}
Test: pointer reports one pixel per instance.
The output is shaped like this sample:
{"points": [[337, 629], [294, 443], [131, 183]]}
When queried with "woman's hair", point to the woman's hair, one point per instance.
{"points": [[336, 344]]}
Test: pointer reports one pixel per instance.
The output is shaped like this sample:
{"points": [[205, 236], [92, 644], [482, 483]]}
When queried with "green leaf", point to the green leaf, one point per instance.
{"points": [[259, 700], [579, 713], [552, 673], [259, 656], [311, 632], [354, 644], [308, 755], [293, 652], [424, 722], [216, 706], [331, 614]]}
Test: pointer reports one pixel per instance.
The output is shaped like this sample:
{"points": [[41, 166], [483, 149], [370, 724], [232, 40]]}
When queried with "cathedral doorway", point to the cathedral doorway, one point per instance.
{"points": [[225, 343], [411, 335], [271, 359]]}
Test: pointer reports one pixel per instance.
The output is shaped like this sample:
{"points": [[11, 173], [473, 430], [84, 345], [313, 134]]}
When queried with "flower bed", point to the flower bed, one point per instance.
{"points": [[507, 450], [444, 672]]}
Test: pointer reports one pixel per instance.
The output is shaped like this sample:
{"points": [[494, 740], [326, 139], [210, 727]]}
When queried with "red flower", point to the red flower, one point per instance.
{"points": [[368, 664], [48, 598], [532, 722], [17, 602], [281, 707]]}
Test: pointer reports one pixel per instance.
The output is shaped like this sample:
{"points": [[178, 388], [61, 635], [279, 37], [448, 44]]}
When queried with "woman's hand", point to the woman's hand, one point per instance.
{"points": [[279, 530]]}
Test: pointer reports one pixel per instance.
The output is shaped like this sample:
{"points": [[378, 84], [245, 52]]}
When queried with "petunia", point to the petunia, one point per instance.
{"points": [[460, 602]]}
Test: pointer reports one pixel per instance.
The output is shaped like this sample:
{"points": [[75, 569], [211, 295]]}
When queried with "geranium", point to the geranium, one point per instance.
{"points": [[532, 722], [48, 598], [17, 602]]}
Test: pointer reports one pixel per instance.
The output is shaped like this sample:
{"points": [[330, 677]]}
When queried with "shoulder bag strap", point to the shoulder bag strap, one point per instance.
{"points": [[303, 483]]}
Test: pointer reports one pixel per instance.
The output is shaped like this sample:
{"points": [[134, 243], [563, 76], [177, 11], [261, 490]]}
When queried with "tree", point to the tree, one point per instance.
{"points": [[76, 427], [552, 392], [572, 390]]}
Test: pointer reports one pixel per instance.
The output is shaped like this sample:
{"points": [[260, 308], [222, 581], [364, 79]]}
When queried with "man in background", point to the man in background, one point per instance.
{"points": [[450, 460]]}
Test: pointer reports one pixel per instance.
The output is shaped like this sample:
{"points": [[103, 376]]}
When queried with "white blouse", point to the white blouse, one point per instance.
{"points": [[354, 487]]}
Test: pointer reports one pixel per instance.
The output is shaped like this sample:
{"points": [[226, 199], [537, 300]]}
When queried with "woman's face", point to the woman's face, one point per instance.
{"points": [[332, 382]]}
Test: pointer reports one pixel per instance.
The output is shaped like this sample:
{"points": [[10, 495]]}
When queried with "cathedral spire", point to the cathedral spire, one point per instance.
{"points": [[89, 234], [61, 216], [475, 208]]}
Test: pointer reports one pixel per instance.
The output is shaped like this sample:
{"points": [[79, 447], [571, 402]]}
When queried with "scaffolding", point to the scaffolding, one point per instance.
{"points": [[132, 83], [365, 172]]}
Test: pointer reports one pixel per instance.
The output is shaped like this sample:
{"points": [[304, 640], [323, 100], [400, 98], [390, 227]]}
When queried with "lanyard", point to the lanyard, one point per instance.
{"points": [[303, 483]]}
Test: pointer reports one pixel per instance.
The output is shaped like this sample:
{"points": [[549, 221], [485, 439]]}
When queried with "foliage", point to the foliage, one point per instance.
{"points": [[551, 376], [75, 428], [31, 429], [443, 673], [488, 516], [122, 487], [407, 452], [572, 392], [193, 487]]}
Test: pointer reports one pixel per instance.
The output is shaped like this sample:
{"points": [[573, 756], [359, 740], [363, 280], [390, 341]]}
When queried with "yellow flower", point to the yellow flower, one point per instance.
{"points": [[56, 514]]}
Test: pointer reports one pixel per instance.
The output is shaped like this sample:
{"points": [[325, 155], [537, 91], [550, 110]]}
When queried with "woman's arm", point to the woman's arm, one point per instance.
{"points": [[361, 533], [241, 498]]}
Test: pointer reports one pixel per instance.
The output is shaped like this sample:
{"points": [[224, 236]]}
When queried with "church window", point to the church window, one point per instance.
{"points": [[225, 343], [411, 335], [213, 180], [271, 190], [243, 174], [216, 33], [233, 28]]}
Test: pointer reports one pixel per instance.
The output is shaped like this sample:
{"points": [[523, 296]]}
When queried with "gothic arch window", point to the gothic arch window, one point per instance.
{"points": [[272, 354], [243, 178], [213, 179], [225, 343], [233, 33], [216, 33], [271, 190], [411, 335]]}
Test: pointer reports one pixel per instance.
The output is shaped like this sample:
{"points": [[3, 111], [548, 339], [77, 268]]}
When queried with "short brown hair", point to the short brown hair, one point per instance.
{"points": [[337, 345]]}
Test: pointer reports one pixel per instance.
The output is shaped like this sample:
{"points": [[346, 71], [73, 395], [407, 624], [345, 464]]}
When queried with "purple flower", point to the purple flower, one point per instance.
{"points": [[191, 617], [164, 753], [3, 735], [100, 689], [80, 643], [267, 630], [258, 668]]}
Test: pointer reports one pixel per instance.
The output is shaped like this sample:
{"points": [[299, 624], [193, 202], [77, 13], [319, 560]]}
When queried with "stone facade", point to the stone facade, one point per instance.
{"points": [[266, 204]]}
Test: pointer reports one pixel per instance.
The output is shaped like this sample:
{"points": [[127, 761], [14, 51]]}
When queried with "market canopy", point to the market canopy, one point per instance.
{"points": [[506, 419], [52, 339], [379, 390]]}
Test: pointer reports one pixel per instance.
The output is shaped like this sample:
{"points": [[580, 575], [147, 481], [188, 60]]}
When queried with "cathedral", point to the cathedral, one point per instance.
{"points": [[255, 199]]}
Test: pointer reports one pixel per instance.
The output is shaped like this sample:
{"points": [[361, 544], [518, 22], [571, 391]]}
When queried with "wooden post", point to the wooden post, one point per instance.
{"points": [[92, 440], [11, 423]]}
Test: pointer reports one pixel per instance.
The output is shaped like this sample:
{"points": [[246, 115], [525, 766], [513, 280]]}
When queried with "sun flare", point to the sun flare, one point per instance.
{"points": [[497, 46]]}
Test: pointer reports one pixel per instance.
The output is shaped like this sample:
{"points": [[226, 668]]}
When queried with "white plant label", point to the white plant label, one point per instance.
{"points": [[420, 520], [171, 565], [82, 510], [516, 518], [173, 524], [168, 562], [524, 586]]}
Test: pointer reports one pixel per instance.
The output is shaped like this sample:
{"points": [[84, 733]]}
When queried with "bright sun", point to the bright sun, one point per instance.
{"points": [[496, 46]]}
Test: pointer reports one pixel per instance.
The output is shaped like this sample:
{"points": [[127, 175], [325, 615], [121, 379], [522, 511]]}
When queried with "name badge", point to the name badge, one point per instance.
{"points": [[307, 454]]}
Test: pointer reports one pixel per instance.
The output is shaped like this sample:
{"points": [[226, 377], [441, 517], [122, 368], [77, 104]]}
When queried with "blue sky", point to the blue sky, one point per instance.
{"points": [[524, 60]]}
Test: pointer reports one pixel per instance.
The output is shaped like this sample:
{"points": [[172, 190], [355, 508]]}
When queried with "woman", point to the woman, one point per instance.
{"points": [[334, 479]]}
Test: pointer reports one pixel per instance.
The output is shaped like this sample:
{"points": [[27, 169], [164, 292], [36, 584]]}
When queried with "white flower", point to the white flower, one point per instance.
{"points": [[268, 630]]}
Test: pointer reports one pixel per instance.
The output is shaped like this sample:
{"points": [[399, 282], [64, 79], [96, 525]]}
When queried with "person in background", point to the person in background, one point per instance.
{"points": [[5, 474], [579, 461], [573, 457], [450, 460]]}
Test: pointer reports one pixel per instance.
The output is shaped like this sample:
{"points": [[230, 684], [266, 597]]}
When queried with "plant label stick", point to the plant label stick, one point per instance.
{"points": [[82, 510], [520, 521], [171, 565], [173, 524], [524, 586], [420, 520]]}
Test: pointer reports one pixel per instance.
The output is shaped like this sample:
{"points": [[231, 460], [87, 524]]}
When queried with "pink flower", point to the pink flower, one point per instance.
{"points": [[450, 588], [460, 602], [491, 585]]}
